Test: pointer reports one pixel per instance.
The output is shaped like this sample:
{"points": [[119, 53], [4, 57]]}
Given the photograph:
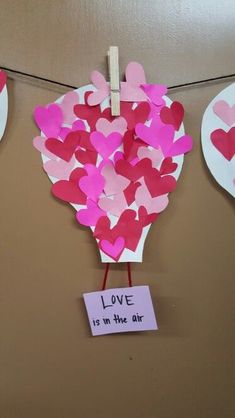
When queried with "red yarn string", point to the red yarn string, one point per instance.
{"points": [[129, 274], [107, 271], [105, 276]]}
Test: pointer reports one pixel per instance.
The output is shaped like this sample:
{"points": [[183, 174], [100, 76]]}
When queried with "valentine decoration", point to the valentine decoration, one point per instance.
{"points": [[117, 172], [3, 102], [218, 138]]}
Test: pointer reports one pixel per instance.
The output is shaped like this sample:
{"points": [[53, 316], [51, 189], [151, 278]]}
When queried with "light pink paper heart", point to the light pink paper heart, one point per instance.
{"points": [[60, 169], [105, 146], [151, 204], [225, 112], [90, 215], [113, 249], [131, 88], [114, 206], [102, 87], [114, 183], [69, 101], [39, 144], [117, 125], [49, 119], [155, 155], [92, 184]]}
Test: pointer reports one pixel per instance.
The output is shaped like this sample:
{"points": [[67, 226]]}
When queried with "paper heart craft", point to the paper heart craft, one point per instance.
{"points": [[3, 102], [218, 138], [117, 172]]}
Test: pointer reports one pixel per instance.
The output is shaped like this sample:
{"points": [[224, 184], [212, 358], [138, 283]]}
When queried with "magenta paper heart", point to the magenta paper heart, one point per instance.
{"points": [[117, 125], [69, 101], [115, 249], [60, 169], [105, 146], [151, 204], [49, 119], [155, 155], [131, 90], [92, 184], [39, 144], [91, 215], [114, 183], [114, 206], [178, 147], [155, 93], [102, 87], [225, 112], [153, 133]]}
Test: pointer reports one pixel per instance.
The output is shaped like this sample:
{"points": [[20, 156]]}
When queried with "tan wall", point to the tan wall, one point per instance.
{"points": [[50, 365]]}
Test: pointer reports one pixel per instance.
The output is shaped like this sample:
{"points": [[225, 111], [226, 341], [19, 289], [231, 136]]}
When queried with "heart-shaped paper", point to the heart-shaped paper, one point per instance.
{"points": [[218, 138], [3, 102], [224, 142], [113, 171], [225, 112]]}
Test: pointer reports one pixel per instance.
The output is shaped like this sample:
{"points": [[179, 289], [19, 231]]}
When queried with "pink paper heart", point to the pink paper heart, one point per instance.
{"points": [[114, 206], [49, 119], [69, 101], [60, 169], [102, 87], [155, 155], [131, 90], [151, 204], [117, 125], [154, 133], [114, 249], [180, 146], [105, 146], [90, 215], [92, 184], [225, 112], [114, 183], [39, 144], [155, 92]]}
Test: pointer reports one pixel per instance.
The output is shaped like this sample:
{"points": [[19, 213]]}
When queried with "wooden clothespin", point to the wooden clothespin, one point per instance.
{"points": [[114, 80]]}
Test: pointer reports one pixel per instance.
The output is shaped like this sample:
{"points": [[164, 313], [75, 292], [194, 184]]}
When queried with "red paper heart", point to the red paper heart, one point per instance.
{"points": [[129, 192], [66, 149], [133, 116], [224, 142], [145, 218], [132, 234], [173, 115], [91, 113], [77, 174], [168, 166], [86, 156], [3, 80], [102, 229], [68, 192], [159, 186], [131, 145], [134, 172]]}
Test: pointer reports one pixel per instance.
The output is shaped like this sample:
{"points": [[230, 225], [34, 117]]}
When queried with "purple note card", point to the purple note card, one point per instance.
{"points": [[120, 310]]}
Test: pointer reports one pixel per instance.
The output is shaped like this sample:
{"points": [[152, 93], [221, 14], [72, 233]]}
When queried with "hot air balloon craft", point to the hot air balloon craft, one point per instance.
{"points": [[116, 171], [218, 138], [3, 102]]}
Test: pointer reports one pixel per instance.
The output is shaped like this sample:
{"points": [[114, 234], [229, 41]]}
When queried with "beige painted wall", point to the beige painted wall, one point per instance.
{"points": [[50, 365]]}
